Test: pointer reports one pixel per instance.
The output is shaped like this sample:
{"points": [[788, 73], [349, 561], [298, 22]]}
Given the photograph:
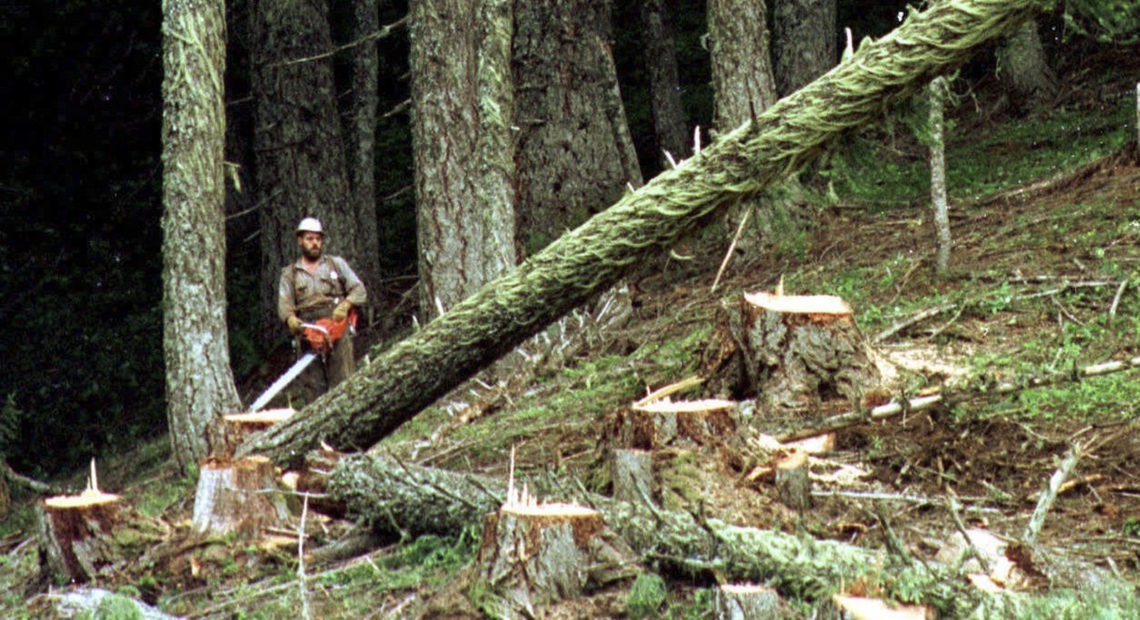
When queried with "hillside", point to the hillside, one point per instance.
{"points": [[1043, 282]]}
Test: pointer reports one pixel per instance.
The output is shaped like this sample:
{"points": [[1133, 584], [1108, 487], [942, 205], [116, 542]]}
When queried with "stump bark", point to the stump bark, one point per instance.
{"points": [[793, 486], [747, 602], [663, 423], [237, 496], [533, 555], [793, 352], [632, 473], [76, 535]]}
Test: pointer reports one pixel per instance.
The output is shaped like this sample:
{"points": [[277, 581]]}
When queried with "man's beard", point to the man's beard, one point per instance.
{"points": [[311, 253]]}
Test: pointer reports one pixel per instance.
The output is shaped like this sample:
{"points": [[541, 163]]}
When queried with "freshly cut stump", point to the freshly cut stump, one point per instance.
{"points": [[76, 535], [862, 608], [533, 555], [663, 423], [233, 429], [746, 602], [793, 486], [632, 472], [794, 352], [237, 496]]}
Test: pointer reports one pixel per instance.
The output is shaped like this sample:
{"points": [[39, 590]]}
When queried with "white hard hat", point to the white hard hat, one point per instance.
{"points": [[310, 224]]}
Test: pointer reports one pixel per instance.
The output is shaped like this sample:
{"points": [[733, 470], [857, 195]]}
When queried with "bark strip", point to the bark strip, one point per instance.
{"points": [[593, 257]]}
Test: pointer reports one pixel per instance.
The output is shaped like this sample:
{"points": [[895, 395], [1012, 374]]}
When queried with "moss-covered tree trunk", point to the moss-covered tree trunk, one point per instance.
{"points": [[199, 383], [399, 499], [462, 99], [299, 154], [574, 153], [803, 41], [400, 382]]}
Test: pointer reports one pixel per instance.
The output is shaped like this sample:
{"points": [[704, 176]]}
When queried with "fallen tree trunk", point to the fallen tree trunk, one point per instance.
{"points": [[411, 375], [401, 499]]}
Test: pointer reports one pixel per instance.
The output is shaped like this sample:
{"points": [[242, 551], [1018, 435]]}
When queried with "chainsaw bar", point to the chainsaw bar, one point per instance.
{"points": [[284, 380]]}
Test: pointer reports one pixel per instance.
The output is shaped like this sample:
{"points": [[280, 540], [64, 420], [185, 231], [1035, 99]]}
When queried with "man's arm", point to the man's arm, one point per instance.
{"points": [[286, 296], [354, 291]]}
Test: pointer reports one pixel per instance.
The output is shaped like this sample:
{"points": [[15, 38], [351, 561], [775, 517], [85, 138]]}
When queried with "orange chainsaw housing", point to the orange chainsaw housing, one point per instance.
{"points": [[319, 341]]}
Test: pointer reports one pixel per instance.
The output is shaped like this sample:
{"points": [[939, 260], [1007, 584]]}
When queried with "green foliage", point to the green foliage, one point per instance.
{"points": [[646, 597], [1109, 21]]}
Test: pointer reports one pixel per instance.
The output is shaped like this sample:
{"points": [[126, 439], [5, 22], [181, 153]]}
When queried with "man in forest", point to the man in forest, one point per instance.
{"points": [[316, 287]]}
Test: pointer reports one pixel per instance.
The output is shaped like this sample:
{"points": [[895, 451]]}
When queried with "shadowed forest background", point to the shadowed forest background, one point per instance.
{"points": [[80, 187]]}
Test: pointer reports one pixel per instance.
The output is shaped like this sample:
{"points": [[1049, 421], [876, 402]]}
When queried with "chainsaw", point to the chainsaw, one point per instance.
{"points": [[318, 337]]}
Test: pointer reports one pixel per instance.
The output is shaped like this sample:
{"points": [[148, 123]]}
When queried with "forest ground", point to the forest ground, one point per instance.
{"points": [[1046, 222]]}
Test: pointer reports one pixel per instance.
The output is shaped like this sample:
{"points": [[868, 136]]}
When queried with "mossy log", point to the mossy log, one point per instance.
{"points": [[793, 352], [741, 164], [239, 496], [397, 498]]}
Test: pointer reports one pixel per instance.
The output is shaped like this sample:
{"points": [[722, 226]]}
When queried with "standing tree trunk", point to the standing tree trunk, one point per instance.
{"points": [[664, 85], [360, 139], [938, 89], [741, 164], [575, 155], [1023, 71], [462, 146], [803, 41], [741, 67], [199, 383], [297, 139]]}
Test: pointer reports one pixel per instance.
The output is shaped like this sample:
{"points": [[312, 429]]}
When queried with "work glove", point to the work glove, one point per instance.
{"points": [[294, 323], [340, 313]]}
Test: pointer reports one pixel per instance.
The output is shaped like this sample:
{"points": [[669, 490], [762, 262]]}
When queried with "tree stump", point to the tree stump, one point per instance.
{"points": [[76, 535], [660, 423], [793, 486], [863, 608], [793, 352], [226, 434], [632, 473], [746, 602], [532, 555], [237, 496]]}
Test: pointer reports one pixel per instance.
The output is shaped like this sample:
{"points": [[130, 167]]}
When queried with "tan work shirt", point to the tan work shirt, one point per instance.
{"points": [[311, 296]]}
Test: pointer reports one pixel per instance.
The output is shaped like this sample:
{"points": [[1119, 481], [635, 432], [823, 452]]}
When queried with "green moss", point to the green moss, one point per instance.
{"points": [[647, 596]]}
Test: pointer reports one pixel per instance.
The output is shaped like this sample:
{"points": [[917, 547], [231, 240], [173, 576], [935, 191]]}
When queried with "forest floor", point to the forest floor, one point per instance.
{"points": [[1044, 279]]}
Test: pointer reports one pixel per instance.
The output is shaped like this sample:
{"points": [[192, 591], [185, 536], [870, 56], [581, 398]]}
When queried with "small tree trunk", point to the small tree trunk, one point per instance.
{"points": [[665, 92], [938, 172], [747, 602], [237, 496]]}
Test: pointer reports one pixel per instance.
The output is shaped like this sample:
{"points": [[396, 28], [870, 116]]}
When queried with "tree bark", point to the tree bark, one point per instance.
{"points": [[804, 39], [938, 89], [199, 384], [1023, 71], [360, 138], [741, 61], [462, 100], [574, 154], [669, 123], [401, 499], [299, 154], [413, 373]]}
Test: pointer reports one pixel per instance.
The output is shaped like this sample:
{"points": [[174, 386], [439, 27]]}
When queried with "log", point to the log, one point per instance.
{"points": [[91, 603], [747, 602], [632, 474], [663, 423], [534, 555], [793, 486], [401, 499], [237, 496], [226, 433], [77, 535], [740, 165], [794, 352]]}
